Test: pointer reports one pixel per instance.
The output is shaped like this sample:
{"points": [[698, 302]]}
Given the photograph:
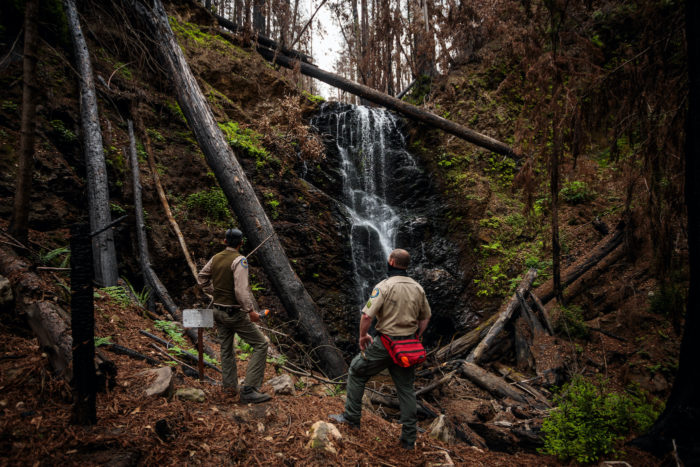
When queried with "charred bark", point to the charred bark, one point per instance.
{"points": [[490, 382], [104, 254], [392, 103], [264, 41], [19, 226], [546, 291], [504, 316], [82, 327], [150, 277], [240, 194], [465, 343]]}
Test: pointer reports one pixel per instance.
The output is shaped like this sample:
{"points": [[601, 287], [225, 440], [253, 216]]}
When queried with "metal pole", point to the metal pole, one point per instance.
{"points": [[200, 338]]}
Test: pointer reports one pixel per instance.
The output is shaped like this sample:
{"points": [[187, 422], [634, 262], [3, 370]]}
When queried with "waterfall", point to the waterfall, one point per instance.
{"points": [[370, 143]]}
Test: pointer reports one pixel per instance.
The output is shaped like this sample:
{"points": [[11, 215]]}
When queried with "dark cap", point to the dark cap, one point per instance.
{"points": [[233, 237]]}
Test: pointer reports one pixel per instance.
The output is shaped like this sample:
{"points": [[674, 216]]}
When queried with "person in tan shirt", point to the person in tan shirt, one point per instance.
{"points": [[234, 313], [402, 311]]}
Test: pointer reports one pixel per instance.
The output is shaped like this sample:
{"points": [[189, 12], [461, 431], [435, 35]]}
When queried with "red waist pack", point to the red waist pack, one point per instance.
{"points": [[404, 352]]}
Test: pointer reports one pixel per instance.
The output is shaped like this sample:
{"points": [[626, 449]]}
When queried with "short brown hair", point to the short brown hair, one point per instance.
{"points": [[401, 258]]}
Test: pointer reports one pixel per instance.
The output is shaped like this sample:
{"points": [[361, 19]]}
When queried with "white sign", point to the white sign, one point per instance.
{"points": [[198, 318]]}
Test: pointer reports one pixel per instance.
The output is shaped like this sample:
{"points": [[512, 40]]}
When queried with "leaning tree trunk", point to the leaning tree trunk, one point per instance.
{"points": [[19, 227], [104, 254], [239, 192], [679, 423]]}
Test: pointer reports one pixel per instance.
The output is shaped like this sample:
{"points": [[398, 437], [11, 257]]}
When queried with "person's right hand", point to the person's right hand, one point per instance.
{"points": [[365, 341], [254, 317]]}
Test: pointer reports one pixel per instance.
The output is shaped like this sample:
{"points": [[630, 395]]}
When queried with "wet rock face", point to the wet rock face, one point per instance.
{"points": [[366, 162]]}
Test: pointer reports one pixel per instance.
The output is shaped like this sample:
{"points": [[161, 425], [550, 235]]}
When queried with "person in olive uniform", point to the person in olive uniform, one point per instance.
{"points": [[235, 312], [402, 311]]}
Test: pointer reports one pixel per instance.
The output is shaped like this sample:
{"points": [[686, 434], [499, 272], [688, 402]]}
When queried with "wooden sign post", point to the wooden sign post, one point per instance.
{"points": [[199, 318]]}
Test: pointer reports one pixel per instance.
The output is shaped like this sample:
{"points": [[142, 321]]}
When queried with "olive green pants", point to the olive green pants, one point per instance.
{"points": [[239, 323], [362, 368]]}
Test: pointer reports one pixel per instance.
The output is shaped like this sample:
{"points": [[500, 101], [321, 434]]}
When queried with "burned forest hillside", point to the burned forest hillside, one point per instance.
{"points": [[557, 267]]}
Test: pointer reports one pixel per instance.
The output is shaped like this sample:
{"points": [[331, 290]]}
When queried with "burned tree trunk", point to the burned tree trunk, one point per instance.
{"points": [[104, 254], [239, 192], [149, 274], [392, 103], [19, 226], [82, 327]]}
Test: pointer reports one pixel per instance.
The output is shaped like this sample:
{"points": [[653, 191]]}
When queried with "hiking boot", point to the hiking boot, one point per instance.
{"points": [[253, 396], [406, 445], [229, 391], [340, 418]]}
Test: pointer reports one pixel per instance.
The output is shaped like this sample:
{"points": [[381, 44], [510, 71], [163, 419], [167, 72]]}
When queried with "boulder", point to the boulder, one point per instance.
{"points": [[162, 384], [282, 384], [6, 295], [190, 394], [322, 435], [442, 430]]}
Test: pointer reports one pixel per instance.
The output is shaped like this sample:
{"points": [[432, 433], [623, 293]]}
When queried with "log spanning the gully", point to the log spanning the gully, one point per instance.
{"points": [[389, 102]]}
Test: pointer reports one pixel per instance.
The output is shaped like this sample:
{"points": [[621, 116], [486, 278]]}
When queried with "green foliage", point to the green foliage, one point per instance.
{"points": [[313, 98], [58, 257], [419, 91], [9, 106], [501, 168], [116, 209], [571, 321], [576, 192], [63, 134], [249, 141], [173, 330], [335, 390], [493, 282], [117, 294], [211, 204], [278, 361], [100, 341], [669, 300], [273, 203], [175, 109], [300, 385], [141, 297], [244, 349], [589, 420], [155, 135]]}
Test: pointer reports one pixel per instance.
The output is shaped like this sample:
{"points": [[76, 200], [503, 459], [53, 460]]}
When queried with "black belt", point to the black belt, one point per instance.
{"points": [[230, 309]]}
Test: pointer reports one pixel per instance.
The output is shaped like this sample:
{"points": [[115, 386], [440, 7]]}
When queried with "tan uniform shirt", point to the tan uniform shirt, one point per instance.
{"points": [[239, 269], [398, 303]]}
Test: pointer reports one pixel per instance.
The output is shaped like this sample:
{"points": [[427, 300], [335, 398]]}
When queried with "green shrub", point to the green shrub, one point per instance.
{"points": [[212, 204], [58, 257], [571, 322], [117, 294], [249, 141], [576, 192], [64, 135], [668, 300], [590, 420]]}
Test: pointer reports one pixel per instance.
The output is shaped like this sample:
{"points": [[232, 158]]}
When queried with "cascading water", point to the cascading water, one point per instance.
{"points": [[382, 199], [369, 143]]}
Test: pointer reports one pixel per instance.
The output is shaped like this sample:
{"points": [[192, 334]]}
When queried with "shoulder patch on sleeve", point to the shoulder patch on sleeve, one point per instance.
{"points": [[375, 293], [244, 263]]}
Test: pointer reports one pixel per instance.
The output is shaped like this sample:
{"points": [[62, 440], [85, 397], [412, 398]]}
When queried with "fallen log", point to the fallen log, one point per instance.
{"points": [[121, 350], [372, 95], [491, 383], [542, 312], [263, 40], [392, 402], [104, 252], [545, 292], [503, 318], [186, 369], [436, 384], [465, 343], [54, 336], [238, 190], [522, 338]]}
